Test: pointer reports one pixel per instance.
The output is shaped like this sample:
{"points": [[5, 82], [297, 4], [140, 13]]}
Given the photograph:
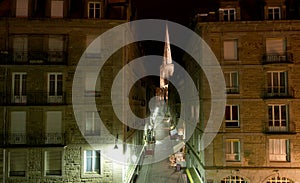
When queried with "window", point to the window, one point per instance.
{"points": [[19, 87], [92, 125], [92, 84], [22, 8], [56, 49], [230, 50], [276, 50], [53, 162], [228, 14], [57, 9], [278, 117], [231, 79], [274, 13], [55, 88], [20, 48], [278, 179], [232, 150], [277, 83], [92, 161], [18, 127], [54, 127], [232, 116], [233, 179], [279, 150], [94, 50], [17, 163], [94, 10]]}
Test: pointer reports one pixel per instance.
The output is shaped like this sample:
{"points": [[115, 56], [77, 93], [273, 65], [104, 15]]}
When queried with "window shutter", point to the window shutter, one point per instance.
{"points": [[54, 119], [18, 122], [56, 43], [53, 162], [17, 163], [22, 8], [57, 9], [230, 50], [275, 45]]}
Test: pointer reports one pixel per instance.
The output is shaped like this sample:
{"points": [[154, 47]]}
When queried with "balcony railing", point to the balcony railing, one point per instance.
{"points": [[290, 128], [36, 139], [33, 57], [279, 92], [33, 98], [278, 58]]}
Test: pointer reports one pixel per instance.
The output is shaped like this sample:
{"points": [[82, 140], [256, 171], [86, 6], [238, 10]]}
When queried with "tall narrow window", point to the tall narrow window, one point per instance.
{"points": [[277, 84], [279, 150], [19, 87], [92, 84], [55, 90], [92, 161], [22, 8], [54, 127], [20, 49], [278, 117], [232, 150], [53, 162], [56, 49], [230, 50], [17, 163], [57, 8], [18, 127], [94, 10], [276, 50], [92, 125], [232, 116], [93, 51], [231, 79], [274, 13]]}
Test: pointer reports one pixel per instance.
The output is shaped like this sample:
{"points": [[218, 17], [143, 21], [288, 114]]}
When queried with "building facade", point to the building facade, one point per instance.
{"points": [[41, 43], [256, 44]]}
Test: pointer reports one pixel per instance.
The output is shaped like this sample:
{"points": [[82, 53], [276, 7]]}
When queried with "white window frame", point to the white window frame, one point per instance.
{"points": [[21, 8], [46, 162], [23, 156], [55, 97], [231, 155], [233, 179], [278, 179], [94, 118], [271, 75], [55, 12], [93, 168], [231, 120], [233, 78], [279, 150], [280, 124], [227, 16], [94, 10], [271, 11], [19, 96], [230, 50]]}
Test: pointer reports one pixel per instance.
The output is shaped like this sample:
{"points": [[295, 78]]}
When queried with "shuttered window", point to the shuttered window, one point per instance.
{"points": [[230, 50], [275, 45], [54, 127], [92, 84], [57, 9], [22, 8], [53, 162], [17, 163]]}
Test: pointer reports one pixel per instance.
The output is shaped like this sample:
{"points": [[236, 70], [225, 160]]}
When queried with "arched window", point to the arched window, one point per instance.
{"points": [[233, 179], [279, 180]]}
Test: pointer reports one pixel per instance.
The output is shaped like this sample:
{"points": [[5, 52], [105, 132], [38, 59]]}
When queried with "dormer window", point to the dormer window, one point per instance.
{"points": [[228, 14], [274, 13], [94, 10]]}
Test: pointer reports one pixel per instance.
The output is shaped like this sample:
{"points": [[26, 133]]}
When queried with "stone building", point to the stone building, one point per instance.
{"points": [[41, 43], [257, 46]]}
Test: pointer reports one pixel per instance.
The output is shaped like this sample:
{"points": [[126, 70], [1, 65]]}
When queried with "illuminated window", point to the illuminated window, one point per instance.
{"points": [[22, 8], [230, 50], [228, 14], [279, 150], [57, 9], [232, 150], [92, 161], [279, 180], [233, 179], [277, 83]]}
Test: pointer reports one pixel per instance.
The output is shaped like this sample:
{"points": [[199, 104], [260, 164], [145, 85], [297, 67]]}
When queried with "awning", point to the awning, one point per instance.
{"points": [[193, 176]]}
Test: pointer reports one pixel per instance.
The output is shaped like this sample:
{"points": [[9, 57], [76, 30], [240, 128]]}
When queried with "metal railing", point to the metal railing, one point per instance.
{"points": [[33, 57], [278, 92], [33, 98], [289, 128], [278, 58]]}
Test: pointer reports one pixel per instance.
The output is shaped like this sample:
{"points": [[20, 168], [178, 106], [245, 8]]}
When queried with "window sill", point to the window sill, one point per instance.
{"points": [[91, 174]]}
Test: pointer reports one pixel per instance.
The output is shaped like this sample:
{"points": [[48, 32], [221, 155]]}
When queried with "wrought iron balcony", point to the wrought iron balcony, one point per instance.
{"points": [[278, 58], [278, 92], [33, 57], [33, 98], [36, 139], [289, 128]]}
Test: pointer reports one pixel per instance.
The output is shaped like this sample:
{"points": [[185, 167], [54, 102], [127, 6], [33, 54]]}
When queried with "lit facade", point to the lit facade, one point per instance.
{"points": [[258, 53], [41, 43]]}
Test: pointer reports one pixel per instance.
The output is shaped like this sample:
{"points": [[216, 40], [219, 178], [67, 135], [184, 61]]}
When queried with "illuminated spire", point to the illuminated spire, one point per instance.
{"points": [[167, 51]]}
